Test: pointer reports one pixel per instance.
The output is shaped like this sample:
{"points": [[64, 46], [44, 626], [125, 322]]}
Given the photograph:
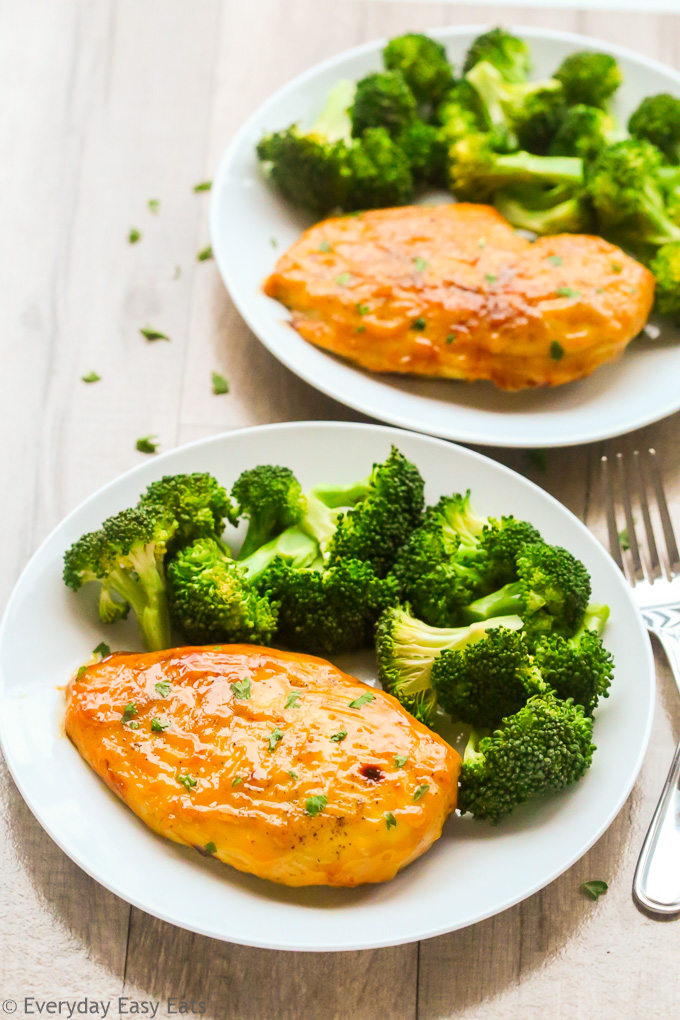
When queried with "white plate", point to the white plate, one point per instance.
{"points": [[473, 871], [246, 214]]}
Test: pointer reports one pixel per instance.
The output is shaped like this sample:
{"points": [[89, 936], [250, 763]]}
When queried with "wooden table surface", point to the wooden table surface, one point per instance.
{"points": [[110, 103]]}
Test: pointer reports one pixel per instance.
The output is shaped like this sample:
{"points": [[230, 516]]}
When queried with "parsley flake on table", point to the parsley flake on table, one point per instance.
{"points": [[220, 385], [538, 459], [187, 781], [241, 688], [343, 279], [624, 539], [421, 265], [205, 254], [177, 273], [210, 847], [390, 820], [163, 688], [274, 243], [400, 760], [419, 323], [595, 889], [316, 804], [157, 725], [151, 334], [568, 292], [145, 444], [154, 205], [338, 737], [421, 791], [363, 700], [203, 186], [128, 712], [556, 260], [292, 701], [101, 649], [91, 377], [556, 350], [236, 780], [274, 738], [134, 235]]}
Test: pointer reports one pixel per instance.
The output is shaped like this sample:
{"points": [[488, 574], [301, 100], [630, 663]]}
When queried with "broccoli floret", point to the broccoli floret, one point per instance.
{"points": [[508, 54], [487, 680], [377, 172], [589, 78], [551, 594], [211, 599], [544, 210], [197, 502], [326, 611], [407, 649], [460, 112], [657, 120], [666, 269], [126, 556], [585, 131], [271, 498], [476, 171], [580, 667], [423, 63], [426, 149], [529, 112], [542, 748], [382, 99], [628, 195]]}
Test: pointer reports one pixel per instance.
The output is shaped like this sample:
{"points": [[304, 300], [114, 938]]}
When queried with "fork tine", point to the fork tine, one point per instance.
{"points": [[612, 530], [630, 522], [669, 534], [652, 550]]}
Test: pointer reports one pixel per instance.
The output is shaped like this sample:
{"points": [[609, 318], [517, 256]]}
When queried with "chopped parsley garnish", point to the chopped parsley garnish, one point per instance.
{"points": [[567, 292], [157, 726], [556, 260], [275, 736], [343, 279], [101, 649], [134, 235], [241, 689], [481, 243], [325, 247], [151, 334], [632, 290], [163, 688], [128, 712], [81, 672], [188, 781], [220, 385], [145, 444], [390, 820], [337, 737], [91, 377], [617, 267], [316, 804], [556, 350], [363, 700], [292, 701], [360, 329], [400, 760], [450, 338], [210, 847], [491, 278], [133, 725], [363, 308], [595, 889], [421, 265], [203, 186], [154, 205], [293, 774], [205, 254], [421, 791], [236, 780], [419, 323]]}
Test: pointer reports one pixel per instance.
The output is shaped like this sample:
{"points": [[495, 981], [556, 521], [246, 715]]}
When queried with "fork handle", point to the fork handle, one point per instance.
{"points": [[656, 885]]}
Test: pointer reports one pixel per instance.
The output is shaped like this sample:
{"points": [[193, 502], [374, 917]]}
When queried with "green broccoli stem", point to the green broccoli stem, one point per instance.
{"points": [[488, 83], [293, 545], [666, 229], [507, 601], [319, 521], [337, 496], [146, 595], [334, 122], [256, 536], [594, 619], [524, 166]]}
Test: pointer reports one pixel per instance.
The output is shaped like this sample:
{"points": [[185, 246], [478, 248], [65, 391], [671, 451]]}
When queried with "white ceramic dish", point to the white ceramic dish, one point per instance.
{"points": [[473, 871], [247, 214]]}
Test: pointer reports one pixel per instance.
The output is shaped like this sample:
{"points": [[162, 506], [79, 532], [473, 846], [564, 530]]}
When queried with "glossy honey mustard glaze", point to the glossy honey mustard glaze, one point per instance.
{"points": [[453, 291], [248, 754]]}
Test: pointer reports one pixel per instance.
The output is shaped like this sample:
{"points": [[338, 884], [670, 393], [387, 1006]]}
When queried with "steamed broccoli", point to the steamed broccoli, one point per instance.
{"points": [[126, 556], [476, 171], [461, 113], [551, 594], [486, 680], [579, 667], [407, 649], [382, 99], [197, 502], [589, 78], [377, 173], [529, 112], [508, 54], [293, 546], [666, 269], [657, 120], [211, 598], [555, 209], [584, 131], [271, 498], [423, 63], [425, 148], [543, 747]]}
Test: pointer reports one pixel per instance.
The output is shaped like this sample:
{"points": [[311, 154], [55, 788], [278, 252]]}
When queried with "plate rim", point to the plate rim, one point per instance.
{"points": [[340, 393], [389, 431]]}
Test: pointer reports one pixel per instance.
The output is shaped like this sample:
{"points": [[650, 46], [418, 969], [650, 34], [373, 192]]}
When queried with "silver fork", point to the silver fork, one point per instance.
{"points": [[656, 583]]}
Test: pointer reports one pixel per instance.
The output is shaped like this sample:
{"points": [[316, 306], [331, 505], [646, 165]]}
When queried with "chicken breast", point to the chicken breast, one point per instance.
{"points": [[278, 764], [453, 291]]}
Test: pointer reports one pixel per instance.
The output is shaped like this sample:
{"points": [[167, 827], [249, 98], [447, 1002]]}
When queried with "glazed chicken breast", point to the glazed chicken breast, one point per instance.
{"points": [[278, 764], [453, 291]]}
